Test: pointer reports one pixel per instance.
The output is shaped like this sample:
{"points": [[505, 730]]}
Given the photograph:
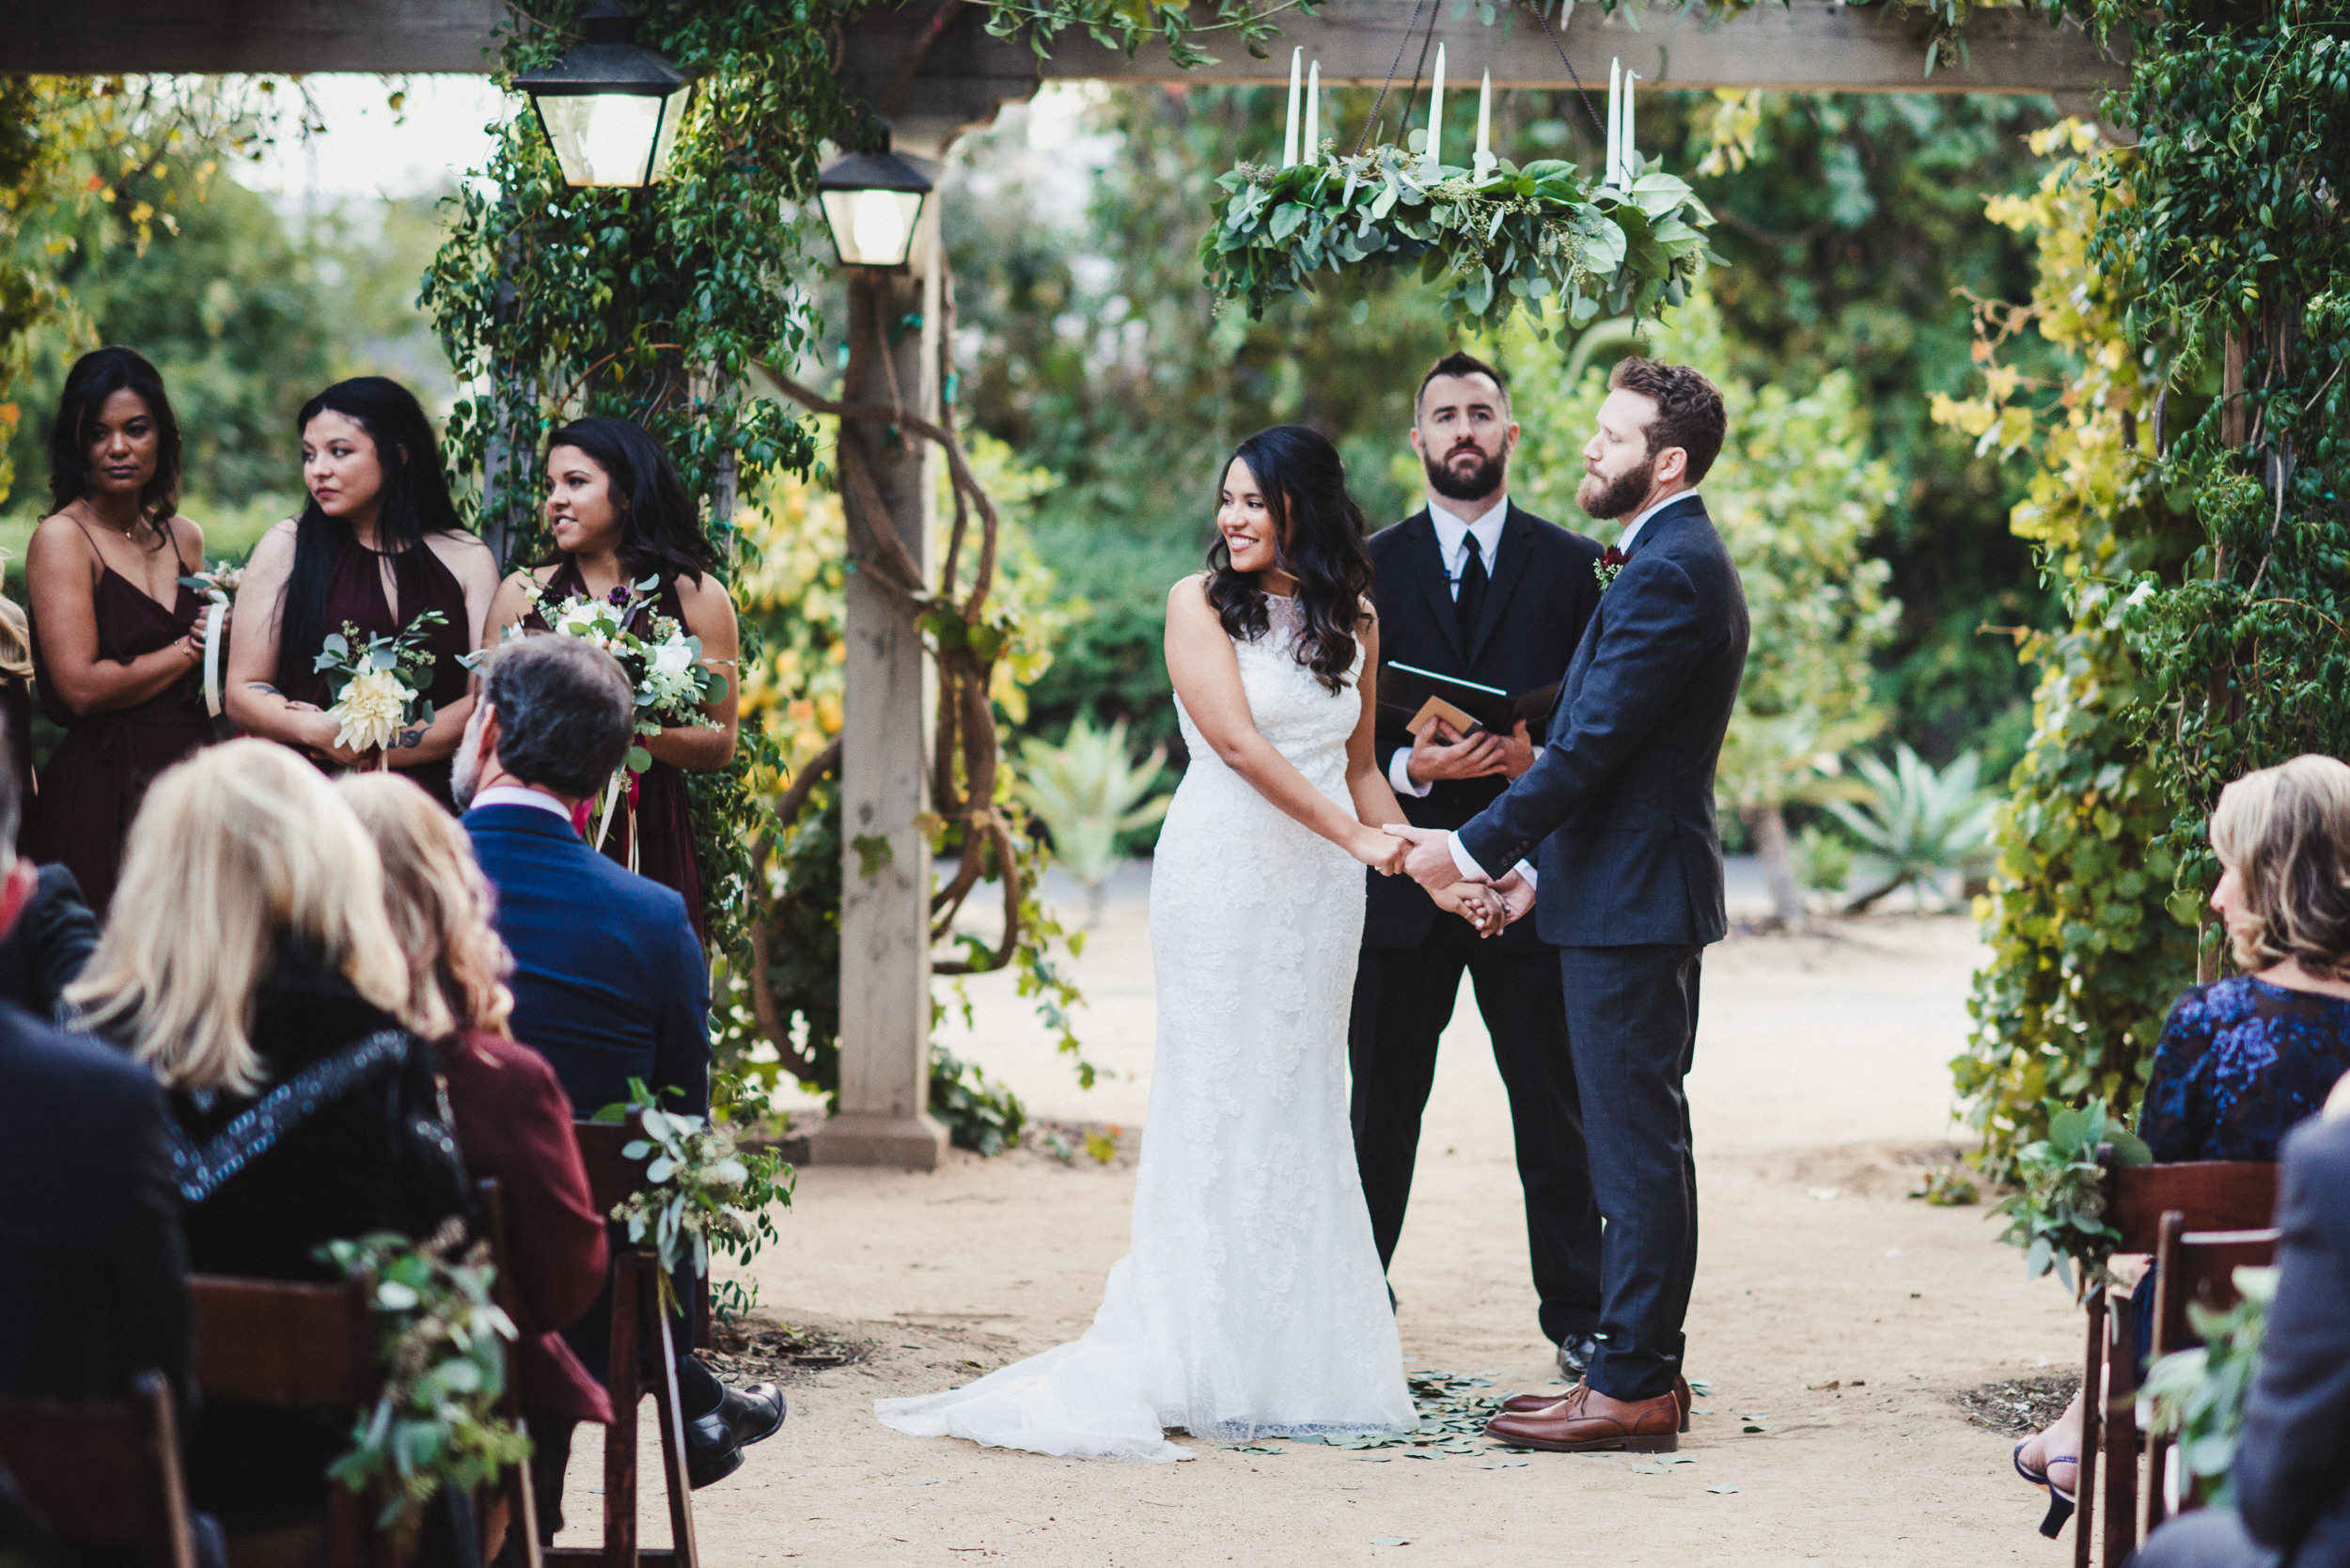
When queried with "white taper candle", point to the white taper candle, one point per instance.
{"points": [[1615, 119], [1288, 126], [1436, 112], [1312, 150], [1483, 163], [1624, 148]]}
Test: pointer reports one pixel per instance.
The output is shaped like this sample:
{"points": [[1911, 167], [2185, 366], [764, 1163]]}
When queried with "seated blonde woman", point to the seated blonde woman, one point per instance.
{"points": [[513, 1122], [249, 964], [2244, 1060]]}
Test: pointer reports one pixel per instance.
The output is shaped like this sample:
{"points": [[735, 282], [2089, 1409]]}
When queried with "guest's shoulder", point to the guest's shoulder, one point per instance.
{"points": [[2202, 1009], [2319, 1150], [32, 1051], [498, 1069]]}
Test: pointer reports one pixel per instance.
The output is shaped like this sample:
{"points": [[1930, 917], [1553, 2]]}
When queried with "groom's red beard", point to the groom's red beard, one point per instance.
{"points": [[1615, 497]]}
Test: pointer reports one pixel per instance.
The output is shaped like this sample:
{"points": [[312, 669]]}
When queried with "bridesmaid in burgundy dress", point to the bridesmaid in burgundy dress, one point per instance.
{"points": [[379, 545], [116, 645], [621, 516]]}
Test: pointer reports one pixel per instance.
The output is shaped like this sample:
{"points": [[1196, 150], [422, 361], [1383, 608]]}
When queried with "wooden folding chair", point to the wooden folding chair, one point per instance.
{"points": [[2193, 1266], [521, 1499], [271, 1341], [636, 1309], [2206, 1195], [103, 1472]]}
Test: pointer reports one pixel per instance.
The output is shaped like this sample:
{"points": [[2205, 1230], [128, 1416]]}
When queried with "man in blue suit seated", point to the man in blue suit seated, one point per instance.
{"points": [[609, 983]]}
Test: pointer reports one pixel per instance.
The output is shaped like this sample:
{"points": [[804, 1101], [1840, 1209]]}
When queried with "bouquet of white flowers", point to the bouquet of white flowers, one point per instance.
{"points": [[218, 586], [662, 660], [377, 682]]}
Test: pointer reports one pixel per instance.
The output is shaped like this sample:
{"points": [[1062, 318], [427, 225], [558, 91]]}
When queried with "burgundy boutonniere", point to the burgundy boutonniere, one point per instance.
{"points": [[1610, 562]]}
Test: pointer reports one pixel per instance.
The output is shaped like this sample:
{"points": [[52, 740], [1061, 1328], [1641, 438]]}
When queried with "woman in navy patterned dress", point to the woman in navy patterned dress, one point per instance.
{"points": [[2245, 1060]]}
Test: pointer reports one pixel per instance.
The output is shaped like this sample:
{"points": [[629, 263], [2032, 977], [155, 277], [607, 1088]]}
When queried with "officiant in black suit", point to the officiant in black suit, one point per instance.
{"points": [[1475, 588]]}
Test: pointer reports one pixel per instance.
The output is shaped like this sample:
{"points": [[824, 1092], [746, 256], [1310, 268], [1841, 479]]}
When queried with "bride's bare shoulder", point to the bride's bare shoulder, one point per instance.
{"points": [[1189, 596]]}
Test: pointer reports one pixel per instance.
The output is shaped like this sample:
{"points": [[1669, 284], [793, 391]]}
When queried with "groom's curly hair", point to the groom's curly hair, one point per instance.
{"points": [[1689, 412], [1318, 540]]}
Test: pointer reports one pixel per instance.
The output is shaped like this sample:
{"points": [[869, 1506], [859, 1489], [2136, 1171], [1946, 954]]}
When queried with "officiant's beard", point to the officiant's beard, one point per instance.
{"points": [[1617, 498], [1476, 484]]}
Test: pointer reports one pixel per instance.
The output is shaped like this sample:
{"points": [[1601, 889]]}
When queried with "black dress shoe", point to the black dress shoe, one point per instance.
{"points": [[1575, 1357], [712, 1452], [754, 1412]]}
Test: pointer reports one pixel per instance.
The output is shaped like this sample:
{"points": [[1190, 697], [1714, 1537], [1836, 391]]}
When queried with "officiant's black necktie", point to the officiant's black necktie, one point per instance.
{"points": [[1469, 603]]}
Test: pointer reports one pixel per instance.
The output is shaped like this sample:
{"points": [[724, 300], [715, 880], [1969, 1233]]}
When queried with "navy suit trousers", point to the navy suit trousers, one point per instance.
{"points": [[1632, 1021]]}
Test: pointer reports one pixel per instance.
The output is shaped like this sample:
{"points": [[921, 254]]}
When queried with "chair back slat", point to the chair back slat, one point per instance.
{"points": [[611, 1175], [2199, 1267], [103, 1472], [271, 1341], [2212, 1195]]}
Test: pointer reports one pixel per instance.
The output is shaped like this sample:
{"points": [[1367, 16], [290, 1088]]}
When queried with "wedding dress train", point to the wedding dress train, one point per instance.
{"points": [[1252, 1303]]}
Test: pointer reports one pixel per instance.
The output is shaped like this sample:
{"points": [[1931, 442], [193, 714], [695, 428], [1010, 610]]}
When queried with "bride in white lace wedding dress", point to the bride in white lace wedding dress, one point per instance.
{"points": [[1252, 1303]]}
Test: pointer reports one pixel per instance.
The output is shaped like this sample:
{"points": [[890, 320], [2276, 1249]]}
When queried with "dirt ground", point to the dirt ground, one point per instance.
{"points": [[1834, 1319]]}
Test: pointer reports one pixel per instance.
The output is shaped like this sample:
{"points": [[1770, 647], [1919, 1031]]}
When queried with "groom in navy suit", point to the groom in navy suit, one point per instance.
{"points": [[1475, 587], [1620, 803]]}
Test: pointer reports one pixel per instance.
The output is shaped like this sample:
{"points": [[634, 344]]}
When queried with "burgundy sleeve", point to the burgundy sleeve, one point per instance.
{"points": [[514, 1124]]}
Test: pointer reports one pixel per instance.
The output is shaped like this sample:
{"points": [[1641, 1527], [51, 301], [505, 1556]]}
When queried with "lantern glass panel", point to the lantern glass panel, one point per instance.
{"points": [[605, 138], [672, 112], [872, 228]]}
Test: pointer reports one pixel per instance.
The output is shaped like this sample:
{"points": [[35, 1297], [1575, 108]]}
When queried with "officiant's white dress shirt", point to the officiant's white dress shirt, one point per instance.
{"points": [[1453, 534], [1461, 856]]}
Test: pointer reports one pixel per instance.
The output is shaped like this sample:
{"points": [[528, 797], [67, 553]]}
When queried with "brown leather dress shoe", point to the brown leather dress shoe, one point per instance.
{"points": [[1517, 1404], [1588, 1420]]}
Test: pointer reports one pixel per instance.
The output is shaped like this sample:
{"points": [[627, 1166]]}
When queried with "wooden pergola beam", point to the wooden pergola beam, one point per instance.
{"points": [[965, 75]]}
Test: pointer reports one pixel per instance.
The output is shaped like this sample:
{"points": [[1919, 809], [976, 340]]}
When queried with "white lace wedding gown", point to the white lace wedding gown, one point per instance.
{"points": [[1252, 1303]]}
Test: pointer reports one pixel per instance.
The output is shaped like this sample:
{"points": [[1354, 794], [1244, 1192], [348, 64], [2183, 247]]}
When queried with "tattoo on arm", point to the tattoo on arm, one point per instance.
{"points": [[413, 736], [262, 686]]}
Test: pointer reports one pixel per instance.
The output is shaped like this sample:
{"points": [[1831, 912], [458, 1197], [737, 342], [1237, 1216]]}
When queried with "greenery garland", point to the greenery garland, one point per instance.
{"points": [[1513, 239], [2058, 1217], [442, 1343], [700, 1188]]}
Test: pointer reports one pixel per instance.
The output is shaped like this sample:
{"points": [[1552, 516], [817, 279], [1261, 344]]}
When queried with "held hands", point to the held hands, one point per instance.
{"points": [[1517, 897], [1379, 852], [1429, 861], [1476, 902]]}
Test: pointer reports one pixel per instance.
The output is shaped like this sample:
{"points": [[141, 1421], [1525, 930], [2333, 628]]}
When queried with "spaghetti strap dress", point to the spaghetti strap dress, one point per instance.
{"points": [[99, 772], [354, 595], [665, 805]]}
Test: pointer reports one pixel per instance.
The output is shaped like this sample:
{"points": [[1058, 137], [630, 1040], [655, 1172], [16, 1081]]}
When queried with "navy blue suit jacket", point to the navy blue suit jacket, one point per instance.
{"points": [[2292, 1463], [1541, 597], [1620, 798], [609, 983]]}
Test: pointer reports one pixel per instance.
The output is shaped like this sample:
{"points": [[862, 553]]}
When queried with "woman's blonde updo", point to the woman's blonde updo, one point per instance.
{"points": [[440, 906], [236, 852], [2285, 832]]}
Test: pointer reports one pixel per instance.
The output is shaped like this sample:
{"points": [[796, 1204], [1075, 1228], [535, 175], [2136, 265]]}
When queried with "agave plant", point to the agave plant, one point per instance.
{"points": [[1088, 790], [1917, 827]]}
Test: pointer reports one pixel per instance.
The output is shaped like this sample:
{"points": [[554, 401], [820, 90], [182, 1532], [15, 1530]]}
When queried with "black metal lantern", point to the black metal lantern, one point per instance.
{"points": [[610, 110], [873, 201]]}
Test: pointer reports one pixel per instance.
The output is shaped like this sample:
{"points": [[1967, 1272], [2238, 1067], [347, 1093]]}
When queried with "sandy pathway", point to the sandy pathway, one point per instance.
{"points": [[1826, 1301]]}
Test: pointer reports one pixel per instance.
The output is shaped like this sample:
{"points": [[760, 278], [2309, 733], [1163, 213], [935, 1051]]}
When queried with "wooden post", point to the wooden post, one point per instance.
{"points": [[883, 1112]]}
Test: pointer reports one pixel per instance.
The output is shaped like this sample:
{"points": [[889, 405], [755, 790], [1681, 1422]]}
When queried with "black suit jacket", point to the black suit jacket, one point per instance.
{"points": [[2293, 1465], [609, 982], [93, 1284], [1541, 595], [1621, 799], [49, 945]]}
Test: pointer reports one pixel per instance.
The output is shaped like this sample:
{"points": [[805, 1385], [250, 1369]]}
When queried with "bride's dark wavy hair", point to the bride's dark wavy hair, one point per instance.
{"points": [[1318, 540]]}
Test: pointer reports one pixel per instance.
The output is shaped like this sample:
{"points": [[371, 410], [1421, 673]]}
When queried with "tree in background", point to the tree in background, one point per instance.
{"points": [[2085, 949], [1797, 499]]}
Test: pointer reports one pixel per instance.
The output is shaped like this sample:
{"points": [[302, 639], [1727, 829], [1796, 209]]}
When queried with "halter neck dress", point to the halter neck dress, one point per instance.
{"points": [[355, 594], [664, 806], [100, 771]]}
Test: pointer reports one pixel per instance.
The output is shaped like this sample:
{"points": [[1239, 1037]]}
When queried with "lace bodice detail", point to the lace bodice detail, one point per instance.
{"points": [[1304, 720]]}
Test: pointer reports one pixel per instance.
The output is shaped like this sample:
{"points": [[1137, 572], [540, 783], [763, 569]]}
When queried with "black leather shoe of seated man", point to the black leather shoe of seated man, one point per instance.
{"points": [[754, 1412], [712, 1452]]}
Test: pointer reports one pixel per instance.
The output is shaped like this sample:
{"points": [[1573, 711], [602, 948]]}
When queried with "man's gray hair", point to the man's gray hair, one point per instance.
{"points": [[565, 712]]}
